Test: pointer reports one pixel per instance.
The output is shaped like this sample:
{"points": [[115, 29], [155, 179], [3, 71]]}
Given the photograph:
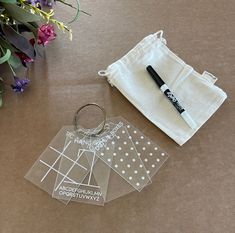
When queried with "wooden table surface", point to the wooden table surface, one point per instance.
{"points": [[194, 191]]}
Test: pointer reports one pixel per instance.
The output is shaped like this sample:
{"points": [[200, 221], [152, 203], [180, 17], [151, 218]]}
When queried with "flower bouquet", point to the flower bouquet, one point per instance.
{"points": [[24, 27]]}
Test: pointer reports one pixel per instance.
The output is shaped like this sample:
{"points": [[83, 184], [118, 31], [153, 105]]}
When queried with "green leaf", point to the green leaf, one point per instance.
{"points": [[19, 41], [5, 57], [15, 62], [32, 28], [5, 44], [20, 14], [8, 1]]}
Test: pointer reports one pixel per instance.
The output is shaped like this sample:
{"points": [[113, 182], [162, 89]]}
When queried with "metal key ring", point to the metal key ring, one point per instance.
{"points": [[88, 133]]}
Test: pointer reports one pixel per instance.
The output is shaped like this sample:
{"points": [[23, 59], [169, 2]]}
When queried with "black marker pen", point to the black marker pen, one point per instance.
{"points": [[164, 88]]}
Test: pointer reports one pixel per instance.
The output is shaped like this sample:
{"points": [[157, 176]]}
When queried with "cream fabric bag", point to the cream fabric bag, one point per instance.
{"points": [[196, 92]]}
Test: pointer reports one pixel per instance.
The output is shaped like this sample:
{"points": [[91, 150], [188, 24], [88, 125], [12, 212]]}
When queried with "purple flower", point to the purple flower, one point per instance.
{"points": [[20, 84], [46, 33], [36, 3]]}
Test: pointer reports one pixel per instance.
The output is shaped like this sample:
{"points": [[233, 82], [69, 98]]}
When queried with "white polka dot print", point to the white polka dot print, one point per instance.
{"points": [[133, 156]]}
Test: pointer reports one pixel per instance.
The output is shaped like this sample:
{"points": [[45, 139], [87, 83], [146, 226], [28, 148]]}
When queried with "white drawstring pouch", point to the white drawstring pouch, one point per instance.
{"points": [[196, 92]]}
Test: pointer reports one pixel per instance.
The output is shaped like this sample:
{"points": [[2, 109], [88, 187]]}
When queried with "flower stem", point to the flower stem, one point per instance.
{"points": [[13, 72]]}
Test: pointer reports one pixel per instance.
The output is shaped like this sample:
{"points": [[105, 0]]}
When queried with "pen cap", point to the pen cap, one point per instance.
{"points": [[189, 120], [155, 76]]}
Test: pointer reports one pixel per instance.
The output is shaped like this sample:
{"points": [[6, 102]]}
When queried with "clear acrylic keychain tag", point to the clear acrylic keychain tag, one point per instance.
{"points": [[97, 165]]}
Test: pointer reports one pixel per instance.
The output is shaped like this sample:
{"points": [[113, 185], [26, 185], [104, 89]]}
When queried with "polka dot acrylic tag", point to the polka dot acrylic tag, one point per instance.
{"points": [[149, 152], [116, 148]]}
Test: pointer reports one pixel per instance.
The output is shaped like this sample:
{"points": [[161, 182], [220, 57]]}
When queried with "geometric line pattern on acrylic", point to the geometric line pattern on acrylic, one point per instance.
{"points": [[66, 178]]}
